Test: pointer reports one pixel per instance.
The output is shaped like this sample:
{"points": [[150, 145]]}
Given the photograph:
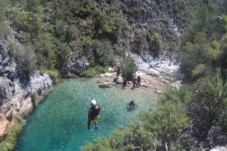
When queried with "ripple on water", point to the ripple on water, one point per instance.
{"points": [[59, 123]]}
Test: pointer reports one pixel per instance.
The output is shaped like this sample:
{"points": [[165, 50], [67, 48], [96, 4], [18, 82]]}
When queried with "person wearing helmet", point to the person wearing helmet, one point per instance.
{"points": [[93, 114]]}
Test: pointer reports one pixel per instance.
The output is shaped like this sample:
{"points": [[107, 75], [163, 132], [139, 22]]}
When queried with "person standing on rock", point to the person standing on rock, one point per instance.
{"points": [[93, 114], [124, 84], [118, 71], [138, 80], [134, 83]]}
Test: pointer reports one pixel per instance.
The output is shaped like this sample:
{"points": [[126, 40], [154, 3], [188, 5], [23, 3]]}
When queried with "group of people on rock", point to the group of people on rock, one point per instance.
{"points": [[136, 80]]}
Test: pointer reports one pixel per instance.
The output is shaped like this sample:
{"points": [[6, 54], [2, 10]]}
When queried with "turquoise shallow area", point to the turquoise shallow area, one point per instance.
{"points": [[59, 123]]}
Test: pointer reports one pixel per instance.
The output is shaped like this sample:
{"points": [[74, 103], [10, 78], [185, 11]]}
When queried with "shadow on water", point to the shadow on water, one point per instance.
{"points": [[103, 86]]}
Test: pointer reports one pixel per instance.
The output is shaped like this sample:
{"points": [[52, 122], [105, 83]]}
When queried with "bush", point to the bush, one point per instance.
{"points": [[167, 123], [129, 68], [93, 71], [207, 107], [103, 52], [199, 70], [24, 56], [9, 142], [157, 44]]}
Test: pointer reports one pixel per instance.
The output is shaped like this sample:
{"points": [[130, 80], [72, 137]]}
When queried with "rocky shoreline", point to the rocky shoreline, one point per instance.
{"points": [[20, 102], [150, 82], [17, 87]]}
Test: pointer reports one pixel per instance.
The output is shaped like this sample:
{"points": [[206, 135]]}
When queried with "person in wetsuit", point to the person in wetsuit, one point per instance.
{"points": [[132, 104], [124, 84], [93, 114], [138, 80]]}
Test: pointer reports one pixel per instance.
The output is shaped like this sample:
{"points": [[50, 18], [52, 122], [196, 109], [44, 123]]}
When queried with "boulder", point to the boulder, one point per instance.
{"points": [[176, 85], [119, 80], [110, 75], [153, 72], [39, 82]]}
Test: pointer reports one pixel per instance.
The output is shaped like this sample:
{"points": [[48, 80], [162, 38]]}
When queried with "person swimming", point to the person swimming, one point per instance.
{"points": [[131, 105]]}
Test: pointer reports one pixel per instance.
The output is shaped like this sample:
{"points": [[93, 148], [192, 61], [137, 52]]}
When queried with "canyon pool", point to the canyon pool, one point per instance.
{"points": [[59, 123]]}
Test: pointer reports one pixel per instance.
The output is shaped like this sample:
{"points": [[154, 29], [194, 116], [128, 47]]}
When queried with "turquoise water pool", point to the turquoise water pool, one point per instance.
{"points": [[60, 122]]}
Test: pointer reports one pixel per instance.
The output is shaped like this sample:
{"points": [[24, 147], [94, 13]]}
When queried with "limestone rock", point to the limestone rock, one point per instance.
{"points": [[154, 72], [110, 75], [5, 93], [176, 85], [4, 124], [26, 107], [219, 148], [39, 82], [75, 64], [119, 80]]}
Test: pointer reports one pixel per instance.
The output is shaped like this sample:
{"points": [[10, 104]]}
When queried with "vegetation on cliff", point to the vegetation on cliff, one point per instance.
{"points": [[189, 119], [194, 117], [50, 30]]}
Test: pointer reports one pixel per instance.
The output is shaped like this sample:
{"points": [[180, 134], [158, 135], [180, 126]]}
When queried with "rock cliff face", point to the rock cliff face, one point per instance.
{"points": [[75, 64], [16, 86]]}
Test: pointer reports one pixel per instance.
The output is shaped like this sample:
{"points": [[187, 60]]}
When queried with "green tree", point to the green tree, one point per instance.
{"points": [[129, 68], [207, 109], [44, 48], [103, 52]]}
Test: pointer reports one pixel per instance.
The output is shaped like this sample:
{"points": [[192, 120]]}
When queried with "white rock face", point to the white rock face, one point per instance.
{"points": [[16, 85], [39, 82], [5, 93], [219, 149], [162, 65], [139, 61]]}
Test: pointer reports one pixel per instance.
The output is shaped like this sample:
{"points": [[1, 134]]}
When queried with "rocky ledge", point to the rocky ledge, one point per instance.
{"points": [[16, 88]]}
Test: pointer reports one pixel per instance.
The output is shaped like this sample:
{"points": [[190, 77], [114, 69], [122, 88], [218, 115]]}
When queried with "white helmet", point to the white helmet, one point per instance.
{"points": [[93, 103]]}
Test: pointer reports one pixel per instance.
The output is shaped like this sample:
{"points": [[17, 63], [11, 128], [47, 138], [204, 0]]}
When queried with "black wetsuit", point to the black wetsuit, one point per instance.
{"points": [[138, 80], [92, 113]]}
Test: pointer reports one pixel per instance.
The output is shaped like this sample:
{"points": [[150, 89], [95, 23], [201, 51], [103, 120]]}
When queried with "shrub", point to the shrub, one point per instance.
{"points": [[167, 123], [207, 108], [129, 68], [93, 71], [9, 142], [24, 56], [199, 70], [103, 52], [157, 44]]}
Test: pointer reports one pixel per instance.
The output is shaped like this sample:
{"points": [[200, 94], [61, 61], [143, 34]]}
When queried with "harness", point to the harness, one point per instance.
{"points": [[94, 111]]}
